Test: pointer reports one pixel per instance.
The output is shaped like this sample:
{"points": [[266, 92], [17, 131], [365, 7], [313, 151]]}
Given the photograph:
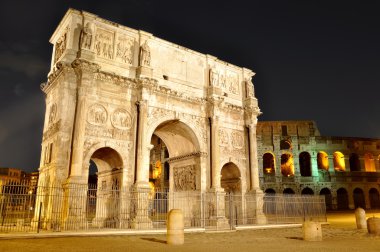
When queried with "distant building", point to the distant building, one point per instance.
{"points": [[17, 176], [12, 175], [32, 178], [294, 158]]}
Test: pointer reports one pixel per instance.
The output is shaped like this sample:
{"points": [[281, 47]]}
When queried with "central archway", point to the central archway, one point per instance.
{"points": [[174, 167], [176, 148]]}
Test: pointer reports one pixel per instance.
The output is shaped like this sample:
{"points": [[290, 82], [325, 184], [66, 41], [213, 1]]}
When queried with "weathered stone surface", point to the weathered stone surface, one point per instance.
{"points": [[114, 93], [175, 228], [373, 225], [360, 217], [312, 231]]}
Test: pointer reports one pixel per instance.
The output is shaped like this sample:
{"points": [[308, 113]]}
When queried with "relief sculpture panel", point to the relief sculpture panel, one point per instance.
{"points": [[124, 50], [60, 46], [184, 178], [237, 138], [228, 81], [104, 44]]}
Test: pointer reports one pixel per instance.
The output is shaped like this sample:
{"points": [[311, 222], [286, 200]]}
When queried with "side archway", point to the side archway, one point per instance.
{"points": [[369, 163], [354, 162], [374, 198], [231, 178], [323, 161], [328, 197], [339, 163], [307, 191], [305, 164], [287, 165], [359, 199], [342, 199], [268, 164], [288, 191]]}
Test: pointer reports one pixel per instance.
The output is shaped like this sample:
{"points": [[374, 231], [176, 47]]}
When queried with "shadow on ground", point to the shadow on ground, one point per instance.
{"points": [[154, 240]]}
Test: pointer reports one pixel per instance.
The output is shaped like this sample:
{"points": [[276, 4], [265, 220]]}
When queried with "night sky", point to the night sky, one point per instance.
{"points": [[314, 60]]}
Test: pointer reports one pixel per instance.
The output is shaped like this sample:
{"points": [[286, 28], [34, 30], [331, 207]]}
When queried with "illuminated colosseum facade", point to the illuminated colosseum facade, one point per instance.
{"points": [[295, 158]]}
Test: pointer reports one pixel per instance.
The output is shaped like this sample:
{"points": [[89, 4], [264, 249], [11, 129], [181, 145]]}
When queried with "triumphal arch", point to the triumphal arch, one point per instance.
{"points": [[145, 114]]}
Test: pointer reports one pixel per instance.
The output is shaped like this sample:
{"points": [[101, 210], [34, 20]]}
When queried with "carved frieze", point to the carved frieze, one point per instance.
{"points": [[124, 49], [52, 129], [104, 43], [60, 46], [227, 80], [223, 137], [184, 178], [237, 139], [88, 143], [156, 113], [97, 115], [52, 113], [199, 123], [116, 79], [121, 119], [103, 132]]}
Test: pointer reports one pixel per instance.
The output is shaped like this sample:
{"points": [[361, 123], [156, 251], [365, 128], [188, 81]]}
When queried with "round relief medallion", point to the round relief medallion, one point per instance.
{"points": [[121, 119], [97, 115]]}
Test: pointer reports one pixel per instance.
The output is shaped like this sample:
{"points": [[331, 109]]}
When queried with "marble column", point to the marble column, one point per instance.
{"points": [[76, 187], [256, 195], [142, 171], [215, 154], [253, 161], [141, 196], [85, 72]]}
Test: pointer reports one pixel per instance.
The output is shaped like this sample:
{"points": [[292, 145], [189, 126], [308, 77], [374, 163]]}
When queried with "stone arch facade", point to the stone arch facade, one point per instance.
{"points": [[112, 86]]}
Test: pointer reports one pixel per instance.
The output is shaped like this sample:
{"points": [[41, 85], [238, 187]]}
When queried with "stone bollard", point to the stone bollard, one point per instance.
{"points": [[373, 225], [312, 231], [175, 228], [361, 222]]}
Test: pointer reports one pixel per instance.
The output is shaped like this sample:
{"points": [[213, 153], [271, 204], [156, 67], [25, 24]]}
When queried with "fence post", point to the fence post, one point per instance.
{"points": [[39, 218]]}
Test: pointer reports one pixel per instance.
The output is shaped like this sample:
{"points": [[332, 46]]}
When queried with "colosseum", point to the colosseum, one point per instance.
{"points": [[294, 158]]}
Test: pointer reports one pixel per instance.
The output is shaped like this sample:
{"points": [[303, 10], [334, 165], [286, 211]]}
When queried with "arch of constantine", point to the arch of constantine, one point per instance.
{"points": [[128, 112]]}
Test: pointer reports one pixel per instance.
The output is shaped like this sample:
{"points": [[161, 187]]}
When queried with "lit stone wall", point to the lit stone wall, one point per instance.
{"points": [[336, 163]]}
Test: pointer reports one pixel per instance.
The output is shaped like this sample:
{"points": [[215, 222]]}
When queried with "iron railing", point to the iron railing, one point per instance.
{"points": [[25, 208]]}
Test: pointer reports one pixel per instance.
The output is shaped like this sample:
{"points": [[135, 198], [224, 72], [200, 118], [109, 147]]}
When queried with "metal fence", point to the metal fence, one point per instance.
{"points": [[26, 208]]}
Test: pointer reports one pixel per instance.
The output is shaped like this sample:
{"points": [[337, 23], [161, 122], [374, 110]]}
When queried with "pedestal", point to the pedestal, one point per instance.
{"points": [[255, 204], [142, 200], [218, 219], [144, 71]]}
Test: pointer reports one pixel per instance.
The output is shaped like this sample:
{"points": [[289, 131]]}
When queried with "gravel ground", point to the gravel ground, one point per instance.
{"points": [[340, 235]]}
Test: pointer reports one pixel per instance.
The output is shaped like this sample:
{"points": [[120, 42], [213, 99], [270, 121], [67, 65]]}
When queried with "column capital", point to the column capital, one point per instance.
{"points": [[80, 65], [252, 124], [142, 103]]}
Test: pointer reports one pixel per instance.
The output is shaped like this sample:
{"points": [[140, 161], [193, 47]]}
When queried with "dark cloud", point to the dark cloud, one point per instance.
{"points": [[314, 60]]}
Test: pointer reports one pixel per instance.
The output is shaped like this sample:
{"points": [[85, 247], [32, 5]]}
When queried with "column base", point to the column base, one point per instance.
{"points": [[258, 200], [141, 199]]}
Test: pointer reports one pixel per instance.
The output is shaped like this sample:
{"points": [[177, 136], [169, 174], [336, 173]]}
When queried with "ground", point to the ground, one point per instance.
{"points": [[340, 235]]}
